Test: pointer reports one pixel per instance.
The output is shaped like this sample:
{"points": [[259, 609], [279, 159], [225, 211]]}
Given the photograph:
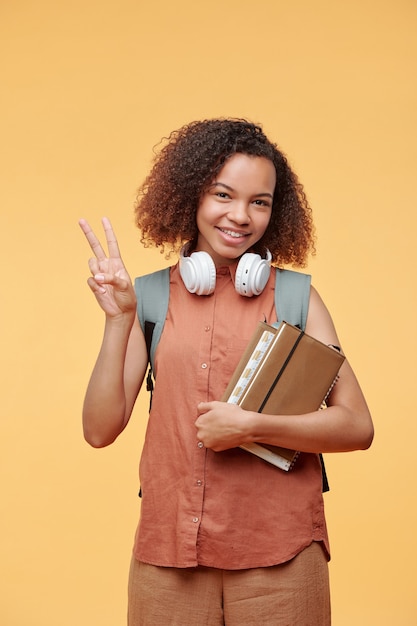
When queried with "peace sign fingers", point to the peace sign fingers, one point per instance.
{"points": [[112, 245], [95, 244], [110, 281]]}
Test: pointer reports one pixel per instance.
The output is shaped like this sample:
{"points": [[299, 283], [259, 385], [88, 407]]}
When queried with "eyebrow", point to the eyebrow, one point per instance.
{"points": [[257, 195]]}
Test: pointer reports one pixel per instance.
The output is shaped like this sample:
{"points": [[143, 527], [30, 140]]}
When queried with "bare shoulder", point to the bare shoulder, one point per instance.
{"points": [[319, 321]]}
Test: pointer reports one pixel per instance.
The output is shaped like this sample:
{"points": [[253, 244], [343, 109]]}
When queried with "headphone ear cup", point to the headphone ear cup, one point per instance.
{"points": [[198, 273], [252, 274]]}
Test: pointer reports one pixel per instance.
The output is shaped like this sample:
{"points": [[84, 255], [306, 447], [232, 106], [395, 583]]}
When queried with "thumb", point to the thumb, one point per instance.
{"points": [[115, 280], [202, 407]]}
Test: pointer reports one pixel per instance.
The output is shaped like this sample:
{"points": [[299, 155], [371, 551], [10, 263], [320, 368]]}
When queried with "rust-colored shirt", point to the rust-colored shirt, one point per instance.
{"points": [[228, 510]]}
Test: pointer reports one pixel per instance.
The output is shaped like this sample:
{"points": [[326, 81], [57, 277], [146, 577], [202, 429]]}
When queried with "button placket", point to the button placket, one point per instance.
{"points": [[202, 393]]}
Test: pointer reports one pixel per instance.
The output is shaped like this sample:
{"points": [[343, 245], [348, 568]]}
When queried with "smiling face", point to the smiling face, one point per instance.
{"points": [[234, 212]]}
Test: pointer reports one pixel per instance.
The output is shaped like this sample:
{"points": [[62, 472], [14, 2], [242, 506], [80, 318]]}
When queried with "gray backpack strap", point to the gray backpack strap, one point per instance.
{"points": [[292, 296], [152, 294]]}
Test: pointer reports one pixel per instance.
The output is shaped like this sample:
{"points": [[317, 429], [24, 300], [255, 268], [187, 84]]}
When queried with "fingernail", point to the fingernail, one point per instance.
{"points": [[99, 276]]}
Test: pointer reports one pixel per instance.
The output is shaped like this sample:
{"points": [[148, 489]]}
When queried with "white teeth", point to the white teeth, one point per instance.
{"points": [[232, 233]]}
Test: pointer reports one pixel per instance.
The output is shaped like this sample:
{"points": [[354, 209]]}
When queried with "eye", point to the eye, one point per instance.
{"points": [[261, 202], [222, 194]]}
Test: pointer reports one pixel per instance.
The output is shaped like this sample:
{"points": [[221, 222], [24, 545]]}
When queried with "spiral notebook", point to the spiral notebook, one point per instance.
{"points": [[283, 371]]}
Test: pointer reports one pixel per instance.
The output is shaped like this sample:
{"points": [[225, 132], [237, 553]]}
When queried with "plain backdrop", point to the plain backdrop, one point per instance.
{"points": [[88, 88]]}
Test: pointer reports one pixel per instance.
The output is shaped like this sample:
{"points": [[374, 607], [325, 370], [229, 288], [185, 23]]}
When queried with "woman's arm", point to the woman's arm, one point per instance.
{"points": [[121, 364], [345, 425]]}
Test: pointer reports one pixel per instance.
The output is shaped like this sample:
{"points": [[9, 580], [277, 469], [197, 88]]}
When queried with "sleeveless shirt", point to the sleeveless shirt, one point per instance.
{"points": [[228, 510]]}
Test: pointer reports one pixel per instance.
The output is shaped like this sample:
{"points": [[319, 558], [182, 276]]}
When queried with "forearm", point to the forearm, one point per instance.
{"points": [[345, 425], [335, 429], [105, 405]]}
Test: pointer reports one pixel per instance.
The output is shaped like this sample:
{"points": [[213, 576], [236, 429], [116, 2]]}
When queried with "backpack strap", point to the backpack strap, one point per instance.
{"points": [[292, 297], [152, 294]]}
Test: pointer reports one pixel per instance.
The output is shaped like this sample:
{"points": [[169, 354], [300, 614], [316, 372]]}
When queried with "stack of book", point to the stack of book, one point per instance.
{"points": [[283, 371]]}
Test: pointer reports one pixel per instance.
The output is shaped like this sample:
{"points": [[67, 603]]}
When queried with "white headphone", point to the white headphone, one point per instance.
{"points": [[198, 273]]}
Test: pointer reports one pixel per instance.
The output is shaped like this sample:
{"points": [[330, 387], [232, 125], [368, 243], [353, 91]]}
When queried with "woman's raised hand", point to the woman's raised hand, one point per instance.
{"points": [[110, 282]]}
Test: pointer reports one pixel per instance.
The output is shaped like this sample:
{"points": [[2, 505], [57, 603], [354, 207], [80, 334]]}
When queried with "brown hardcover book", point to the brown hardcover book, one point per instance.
{"points": [[283, 371]]}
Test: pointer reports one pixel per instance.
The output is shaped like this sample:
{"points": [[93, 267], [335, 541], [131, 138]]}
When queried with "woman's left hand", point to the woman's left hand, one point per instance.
{"points": [[221, 426]]}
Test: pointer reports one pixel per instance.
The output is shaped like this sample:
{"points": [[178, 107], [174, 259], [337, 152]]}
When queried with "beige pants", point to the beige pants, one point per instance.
{"points": [[292, 594]]}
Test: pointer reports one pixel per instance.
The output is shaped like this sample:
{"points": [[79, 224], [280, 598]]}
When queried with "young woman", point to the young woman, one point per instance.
{"points": [[224, 537]]}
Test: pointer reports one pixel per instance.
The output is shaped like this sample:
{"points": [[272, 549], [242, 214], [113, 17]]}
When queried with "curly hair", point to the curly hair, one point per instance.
{"points": [[167, 201]]}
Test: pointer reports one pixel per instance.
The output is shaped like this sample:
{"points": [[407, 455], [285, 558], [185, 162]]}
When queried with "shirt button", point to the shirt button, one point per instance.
{"points": [[200, 444], [204, 366], [207, 328], [199, 483], [195, 520]]}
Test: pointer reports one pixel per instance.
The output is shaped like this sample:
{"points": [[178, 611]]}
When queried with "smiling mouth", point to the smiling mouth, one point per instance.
{"points": [[233, 233]]}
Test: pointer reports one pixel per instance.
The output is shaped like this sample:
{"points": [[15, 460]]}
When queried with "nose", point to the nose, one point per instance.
{"points": [[239, 213]]}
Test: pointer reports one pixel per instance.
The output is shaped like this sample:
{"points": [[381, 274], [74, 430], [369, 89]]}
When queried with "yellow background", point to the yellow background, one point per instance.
{"points": [[88, 88]]}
